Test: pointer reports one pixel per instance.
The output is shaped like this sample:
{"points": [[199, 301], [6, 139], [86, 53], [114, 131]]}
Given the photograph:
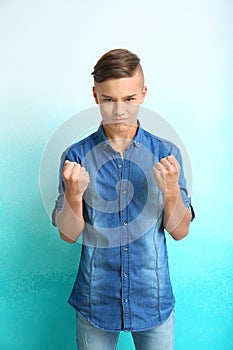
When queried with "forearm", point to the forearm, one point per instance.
{"points": [[69, 220], [177, 216]]}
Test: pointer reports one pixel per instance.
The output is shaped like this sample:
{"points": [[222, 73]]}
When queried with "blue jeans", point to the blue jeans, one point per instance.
{"points": [[89, 337]]}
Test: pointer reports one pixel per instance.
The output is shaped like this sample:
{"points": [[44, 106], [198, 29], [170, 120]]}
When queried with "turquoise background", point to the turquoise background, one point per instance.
{"points": [[48, 49]]}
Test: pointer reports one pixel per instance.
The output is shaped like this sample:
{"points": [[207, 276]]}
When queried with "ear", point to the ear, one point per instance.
{"points": [[144, 92], [95, 95]]}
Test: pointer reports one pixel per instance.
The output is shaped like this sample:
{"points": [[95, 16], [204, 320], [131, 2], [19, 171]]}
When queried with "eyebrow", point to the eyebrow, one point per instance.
{"points": [[128, 96]]}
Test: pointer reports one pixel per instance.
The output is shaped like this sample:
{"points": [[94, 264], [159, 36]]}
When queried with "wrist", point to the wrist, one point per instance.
{"points": [[171, 194], [73, 199]]}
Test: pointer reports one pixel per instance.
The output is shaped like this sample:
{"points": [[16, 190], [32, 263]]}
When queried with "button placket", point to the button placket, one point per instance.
{"points": [[125, 249]]}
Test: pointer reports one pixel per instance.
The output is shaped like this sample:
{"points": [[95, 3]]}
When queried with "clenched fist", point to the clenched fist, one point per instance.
{"points": [[76, 178], [166, 174]]}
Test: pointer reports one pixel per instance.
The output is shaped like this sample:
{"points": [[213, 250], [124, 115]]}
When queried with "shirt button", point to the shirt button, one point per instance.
{"points": [[125, 275], [125, 249], [125, 223], [124, 192], [119, 165], [126, 300]]}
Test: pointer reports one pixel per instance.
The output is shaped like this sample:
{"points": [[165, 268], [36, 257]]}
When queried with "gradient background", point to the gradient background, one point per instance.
{"points": [[48, 49]]}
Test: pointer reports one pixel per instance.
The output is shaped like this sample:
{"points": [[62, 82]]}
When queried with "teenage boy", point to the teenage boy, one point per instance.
{"points": [[121, 187]]}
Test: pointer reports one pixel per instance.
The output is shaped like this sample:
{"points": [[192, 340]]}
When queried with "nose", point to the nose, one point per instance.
{"points": [[118, 109]]}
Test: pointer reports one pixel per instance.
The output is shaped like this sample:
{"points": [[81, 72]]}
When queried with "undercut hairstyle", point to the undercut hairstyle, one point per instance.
{"points": [[116, 64]]}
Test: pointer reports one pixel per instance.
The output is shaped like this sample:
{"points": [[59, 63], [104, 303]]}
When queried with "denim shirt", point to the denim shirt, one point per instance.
{"points": [[123, 280]]}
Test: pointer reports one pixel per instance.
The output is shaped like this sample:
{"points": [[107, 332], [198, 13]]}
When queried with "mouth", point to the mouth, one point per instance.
{"points": [[121, 120]]}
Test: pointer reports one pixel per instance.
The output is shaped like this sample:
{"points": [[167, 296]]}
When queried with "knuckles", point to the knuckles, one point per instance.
{"points": [[72, 172]]}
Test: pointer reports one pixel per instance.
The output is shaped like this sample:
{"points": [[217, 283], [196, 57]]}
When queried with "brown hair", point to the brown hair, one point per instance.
{"points": [[117, 63]]}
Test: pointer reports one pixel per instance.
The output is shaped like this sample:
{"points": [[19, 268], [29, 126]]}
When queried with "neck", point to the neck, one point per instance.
{"points": [[120, 139]]}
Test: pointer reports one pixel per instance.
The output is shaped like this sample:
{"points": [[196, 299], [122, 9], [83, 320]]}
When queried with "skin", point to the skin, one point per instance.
{"points": [[119, 100]]}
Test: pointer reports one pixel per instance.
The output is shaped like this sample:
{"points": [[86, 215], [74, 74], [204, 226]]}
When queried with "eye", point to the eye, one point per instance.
{"points": [[107, 100], [130, 99]]}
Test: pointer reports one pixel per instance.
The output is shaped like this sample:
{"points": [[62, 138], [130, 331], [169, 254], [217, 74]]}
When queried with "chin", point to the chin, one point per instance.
{"points": [[121, 126]]}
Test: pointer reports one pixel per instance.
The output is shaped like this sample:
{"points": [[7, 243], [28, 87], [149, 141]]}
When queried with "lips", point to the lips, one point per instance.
{"points": [[122, 120]]}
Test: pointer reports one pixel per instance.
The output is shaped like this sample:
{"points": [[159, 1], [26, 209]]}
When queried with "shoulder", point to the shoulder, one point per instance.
{"points": [[79, 149], [164, 146]]}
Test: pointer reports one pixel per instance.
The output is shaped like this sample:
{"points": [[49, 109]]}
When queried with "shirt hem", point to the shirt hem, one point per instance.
{"points": [[120, 329]]}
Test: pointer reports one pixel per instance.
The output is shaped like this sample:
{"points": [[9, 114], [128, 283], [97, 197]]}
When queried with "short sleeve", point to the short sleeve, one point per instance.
{"points": [[71, 154], [170, 149], [61, 189], [182, 183]]}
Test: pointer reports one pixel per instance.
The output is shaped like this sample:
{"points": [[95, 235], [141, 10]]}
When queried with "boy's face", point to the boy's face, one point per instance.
{"points": [[119, 100]]}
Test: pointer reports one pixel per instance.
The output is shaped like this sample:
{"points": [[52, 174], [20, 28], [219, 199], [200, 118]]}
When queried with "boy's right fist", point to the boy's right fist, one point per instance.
{"points": [[75, 177]]}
